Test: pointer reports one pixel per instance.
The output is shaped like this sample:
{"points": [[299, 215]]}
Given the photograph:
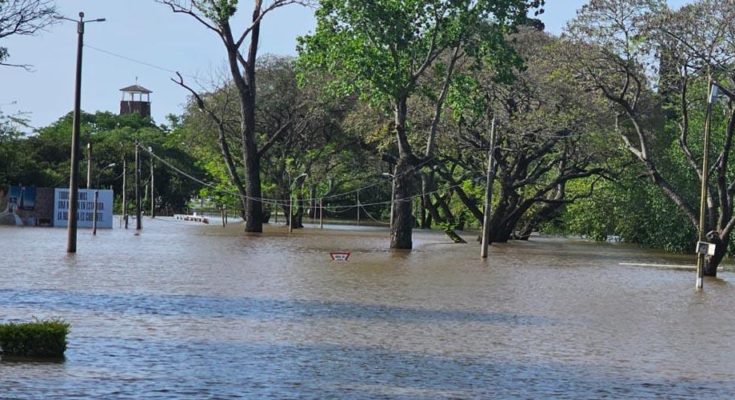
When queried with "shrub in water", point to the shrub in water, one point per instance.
{"points": [[34, 339]]}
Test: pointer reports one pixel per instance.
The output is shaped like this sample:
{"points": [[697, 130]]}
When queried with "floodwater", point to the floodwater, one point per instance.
{"points": [[192, 311]]}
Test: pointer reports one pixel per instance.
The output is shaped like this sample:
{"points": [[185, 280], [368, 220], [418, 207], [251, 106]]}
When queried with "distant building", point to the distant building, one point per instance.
{"points": [[134, 102]]}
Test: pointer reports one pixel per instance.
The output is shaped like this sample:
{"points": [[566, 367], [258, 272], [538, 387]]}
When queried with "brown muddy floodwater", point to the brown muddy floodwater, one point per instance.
{"points": [[193, 311]]}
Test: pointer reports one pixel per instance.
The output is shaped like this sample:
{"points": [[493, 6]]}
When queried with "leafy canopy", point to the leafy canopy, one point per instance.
{"points": [[382, 47]]}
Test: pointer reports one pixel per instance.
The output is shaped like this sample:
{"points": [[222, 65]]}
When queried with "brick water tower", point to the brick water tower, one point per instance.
{"points": [[134, 102]]}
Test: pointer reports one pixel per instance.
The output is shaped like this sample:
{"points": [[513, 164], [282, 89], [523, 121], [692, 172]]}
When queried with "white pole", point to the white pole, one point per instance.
{"points": [[488, 193], [392, 199]]}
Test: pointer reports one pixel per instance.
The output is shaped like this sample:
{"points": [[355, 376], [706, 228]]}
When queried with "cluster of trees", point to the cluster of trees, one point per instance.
{"points": [[597, 132], [43, 159]]}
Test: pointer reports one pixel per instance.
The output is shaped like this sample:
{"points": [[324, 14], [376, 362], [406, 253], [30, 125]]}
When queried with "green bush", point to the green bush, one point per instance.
{"points": [[34, 339]]}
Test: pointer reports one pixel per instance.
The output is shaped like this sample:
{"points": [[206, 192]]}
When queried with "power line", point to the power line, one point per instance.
{"points": [[265, 200], [136, 61]]}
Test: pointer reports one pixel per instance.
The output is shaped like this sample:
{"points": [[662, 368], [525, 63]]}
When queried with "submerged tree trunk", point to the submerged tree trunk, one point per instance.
{"points": [[712, 262], [400, 235], [253, 203]]}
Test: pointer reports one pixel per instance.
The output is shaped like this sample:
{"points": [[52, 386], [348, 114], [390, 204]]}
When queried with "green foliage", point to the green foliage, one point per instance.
{"points": [[379, 48], [42, 159], [34, 339], [222, 10], [632, 210]]}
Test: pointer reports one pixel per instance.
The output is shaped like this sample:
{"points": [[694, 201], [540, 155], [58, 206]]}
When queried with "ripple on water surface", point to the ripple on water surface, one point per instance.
{"points": [[189, 311]]}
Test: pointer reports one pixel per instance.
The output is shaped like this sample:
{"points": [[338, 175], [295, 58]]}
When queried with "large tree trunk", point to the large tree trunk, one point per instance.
{"points": [[400, 235], [253, 204], [712, 262]]}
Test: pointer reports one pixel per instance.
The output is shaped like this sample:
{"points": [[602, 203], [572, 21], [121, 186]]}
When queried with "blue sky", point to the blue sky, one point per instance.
{"points": [[149, 32]]}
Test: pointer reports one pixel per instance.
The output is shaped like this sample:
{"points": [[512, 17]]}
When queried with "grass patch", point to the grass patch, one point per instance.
{"points": [[34, 339]]}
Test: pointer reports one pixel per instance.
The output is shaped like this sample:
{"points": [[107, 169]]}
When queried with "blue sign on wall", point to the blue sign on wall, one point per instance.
{"points": [[22, 197], [85, 208]]}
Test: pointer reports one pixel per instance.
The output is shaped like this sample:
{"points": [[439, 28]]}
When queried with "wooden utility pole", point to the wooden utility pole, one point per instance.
{"points": [[71, 239], [138, 224], [290, 212], [153, 197], [358, 206], [321, 213], [94, 209], [488, 193], [125, 193]]}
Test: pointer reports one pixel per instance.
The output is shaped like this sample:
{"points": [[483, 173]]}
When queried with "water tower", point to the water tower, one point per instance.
{"points": [[133, 100]]}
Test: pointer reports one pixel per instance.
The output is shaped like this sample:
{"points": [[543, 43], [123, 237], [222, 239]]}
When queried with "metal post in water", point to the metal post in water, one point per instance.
{"points": [[71, 240], [89, 163], [94, 215], [703, 192], [138, 223], [153, 197], [290, 210], [488, 193], [124, 216]]}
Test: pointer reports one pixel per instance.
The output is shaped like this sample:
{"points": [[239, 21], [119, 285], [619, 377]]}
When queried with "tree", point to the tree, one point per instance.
{"points": [[620, 40], [23, 17], [217, 15], [41, 159], [382, 48], [550, 134]]}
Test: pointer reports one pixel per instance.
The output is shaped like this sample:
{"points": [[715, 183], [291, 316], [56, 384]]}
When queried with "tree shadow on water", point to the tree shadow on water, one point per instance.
{"points": [[210, 306], [213, 369]]}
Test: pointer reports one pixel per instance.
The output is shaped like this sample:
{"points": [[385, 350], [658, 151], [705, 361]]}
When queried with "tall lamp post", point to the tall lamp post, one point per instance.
{"points": [[71, 241], [392, 195], [488, 193], [704, 248], [290, 198]]}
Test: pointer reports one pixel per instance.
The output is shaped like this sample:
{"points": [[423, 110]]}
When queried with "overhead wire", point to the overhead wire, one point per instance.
{"points": [[261, 199], [281, 202], [136, 61]]}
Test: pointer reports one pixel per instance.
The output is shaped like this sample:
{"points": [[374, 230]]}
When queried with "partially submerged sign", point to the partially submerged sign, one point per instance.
{"points": [[340, 255], [85, 208]]}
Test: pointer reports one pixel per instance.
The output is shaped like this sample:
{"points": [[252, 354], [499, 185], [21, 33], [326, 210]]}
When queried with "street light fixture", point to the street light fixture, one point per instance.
{"points": [[71, 242], [110, 165], [290, 198], [392, 195]]}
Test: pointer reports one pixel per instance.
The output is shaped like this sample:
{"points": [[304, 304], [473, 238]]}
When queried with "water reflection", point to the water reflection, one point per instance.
{"points": [[189, 311]]}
